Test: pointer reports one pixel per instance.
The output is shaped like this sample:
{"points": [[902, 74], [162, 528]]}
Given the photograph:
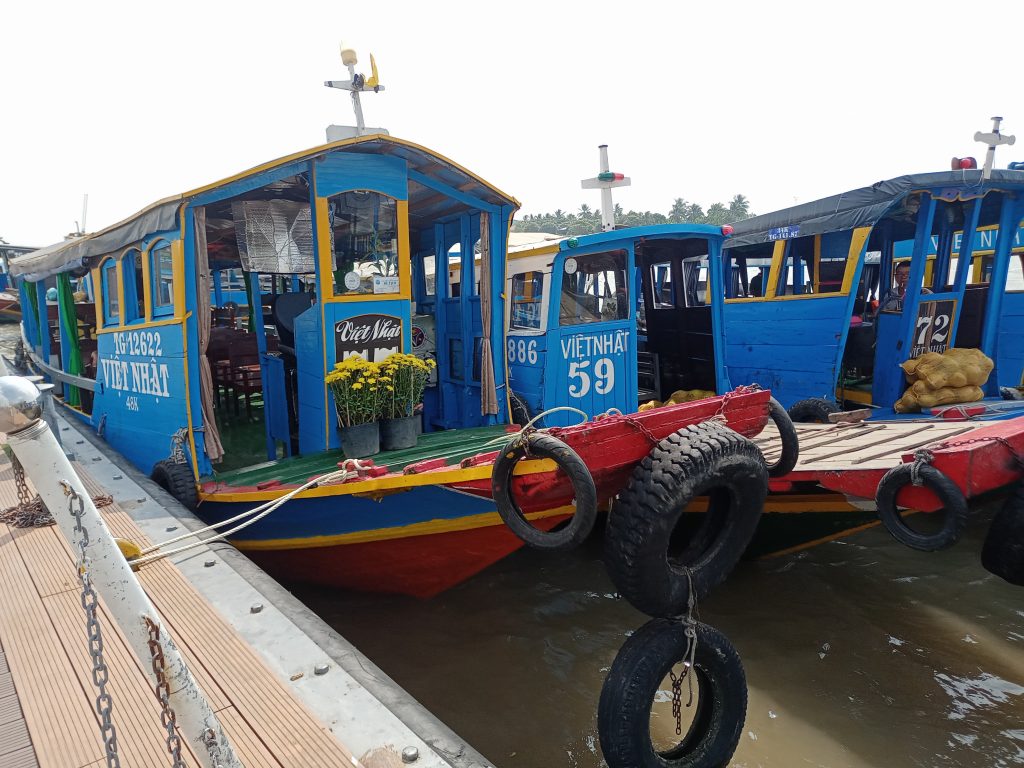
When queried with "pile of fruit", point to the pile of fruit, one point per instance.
{"points": [[954, 376]]}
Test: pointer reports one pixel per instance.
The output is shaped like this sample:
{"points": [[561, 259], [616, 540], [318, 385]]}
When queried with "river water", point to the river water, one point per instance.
{"points": [[858, 653]]}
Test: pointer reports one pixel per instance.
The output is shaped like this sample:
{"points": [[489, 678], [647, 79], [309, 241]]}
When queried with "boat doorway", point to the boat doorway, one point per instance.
{"points": [[676, 349]]}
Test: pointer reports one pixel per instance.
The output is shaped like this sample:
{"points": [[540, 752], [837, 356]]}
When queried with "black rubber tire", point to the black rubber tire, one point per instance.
{"points": [[546, 447], [790, 442], [627, 697], [706, 458], [520, 412], [1003, 551], [813, 410], [954, 508], [177, 480]]}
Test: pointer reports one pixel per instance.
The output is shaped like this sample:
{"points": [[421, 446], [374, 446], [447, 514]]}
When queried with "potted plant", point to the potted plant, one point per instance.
{"points": [[358, 394], [403, 377]]}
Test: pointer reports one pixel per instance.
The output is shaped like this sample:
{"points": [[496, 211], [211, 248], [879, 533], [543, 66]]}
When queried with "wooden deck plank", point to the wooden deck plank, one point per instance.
{"points": [[285, 727], [47, 547], [59, 717]]}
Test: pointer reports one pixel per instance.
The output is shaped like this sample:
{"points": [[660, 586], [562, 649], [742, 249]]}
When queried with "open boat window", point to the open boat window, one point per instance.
{"points": [[134, 286], [795, 277], [594, 288], [364, 243], [661, 285], [161, 278], [527, 296], [695, 281], [747, 270], [111, 295], [429, 275], [832, 259]]}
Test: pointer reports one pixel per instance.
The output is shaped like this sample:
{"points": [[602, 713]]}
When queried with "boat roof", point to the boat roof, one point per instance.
{"points": [[864, 207], [163, 215], [535, 243]]}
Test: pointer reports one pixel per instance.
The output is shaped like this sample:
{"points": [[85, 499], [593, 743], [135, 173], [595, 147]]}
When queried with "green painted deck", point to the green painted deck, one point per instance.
{"points": [[452, 444]]}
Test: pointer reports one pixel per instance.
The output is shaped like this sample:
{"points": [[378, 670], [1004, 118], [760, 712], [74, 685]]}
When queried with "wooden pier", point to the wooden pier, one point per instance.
{"points": [[47, 697]]}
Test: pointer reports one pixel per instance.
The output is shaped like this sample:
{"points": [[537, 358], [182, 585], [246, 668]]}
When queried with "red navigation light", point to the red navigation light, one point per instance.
{"points": [[963, 163], [727, 229]]}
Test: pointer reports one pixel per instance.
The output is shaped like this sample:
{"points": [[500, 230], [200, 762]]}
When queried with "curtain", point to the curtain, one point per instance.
{"points": [[488, 392], [69, 320], [204, 283], [34, 338]]}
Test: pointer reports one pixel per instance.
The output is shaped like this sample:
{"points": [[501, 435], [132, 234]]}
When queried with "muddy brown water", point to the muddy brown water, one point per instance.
{"points": [[857, 653]]}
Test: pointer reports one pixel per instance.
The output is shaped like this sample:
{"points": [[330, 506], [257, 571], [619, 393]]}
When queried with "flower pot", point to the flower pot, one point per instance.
{"points": [[360, 441], [396, 434]]}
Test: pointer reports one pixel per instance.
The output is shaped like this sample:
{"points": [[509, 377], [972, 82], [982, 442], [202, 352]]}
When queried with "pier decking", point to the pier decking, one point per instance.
{"points": [[47, 697]]}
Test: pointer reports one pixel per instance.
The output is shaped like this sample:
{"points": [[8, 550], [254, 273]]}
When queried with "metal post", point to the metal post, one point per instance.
{"points": [[36, 448], [607, 209], [49, 415]]}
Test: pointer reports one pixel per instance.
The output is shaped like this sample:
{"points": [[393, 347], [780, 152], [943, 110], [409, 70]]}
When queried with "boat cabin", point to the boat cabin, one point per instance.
{"points": [[614, 319], [207, 322], [813, 304]]}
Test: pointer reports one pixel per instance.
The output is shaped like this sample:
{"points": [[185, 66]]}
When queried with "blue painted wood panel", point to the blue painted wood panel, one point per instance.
{"points": [[791, 346], [1010, 349], [140, 392], [341, 171]]}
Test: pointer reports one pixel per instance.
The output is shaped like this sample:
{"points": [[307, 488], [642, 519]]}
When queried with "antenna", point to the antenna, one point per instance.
{"points": [[85, 210], [993, 139], [356, 84], [604, 181]]}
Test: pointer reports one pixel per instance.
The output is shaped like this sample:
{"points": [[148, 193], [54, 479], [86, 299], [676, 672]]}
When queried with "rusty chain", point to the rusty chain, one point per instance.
{"points": [[29, 511], [100, 673], [163, 694], [689, 621]]}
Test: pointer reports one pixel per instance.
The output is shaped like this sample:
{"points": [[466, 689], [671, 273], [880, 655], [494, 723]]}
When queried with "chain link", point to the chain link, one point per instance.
{"points": [[29, 511], [104, 702], [178, 446], [689, 620], [1014, 453], [163, 694]]}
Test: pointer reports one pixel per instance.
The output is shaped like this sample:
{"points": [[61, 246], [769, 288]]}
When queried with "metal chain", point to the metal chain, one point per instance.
{"points": [[104, 702], [178, 446], [29, 511], [689, 621], [163, 694], [1017, 457], [922, 456]]}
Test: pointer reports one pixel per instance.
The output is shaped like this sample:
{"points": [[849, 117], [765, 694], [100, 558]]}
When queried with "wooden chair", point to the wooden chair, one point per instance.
{"points": [[245, 377]]}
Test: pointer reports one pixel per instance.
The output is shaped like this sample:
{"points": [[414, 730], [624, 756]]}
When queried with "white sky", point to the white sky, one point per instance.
{"points": [[780, 101]]}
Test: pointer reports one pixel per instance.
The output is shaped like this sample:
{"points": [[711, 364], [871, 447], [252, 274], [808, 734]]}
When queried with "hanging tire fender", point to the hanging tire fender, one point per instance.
{"points": [[790, 441], [178, 480], [645, 564], [635, 677], [953, 502], [1003, 551], [814, 410], [545, 446]]}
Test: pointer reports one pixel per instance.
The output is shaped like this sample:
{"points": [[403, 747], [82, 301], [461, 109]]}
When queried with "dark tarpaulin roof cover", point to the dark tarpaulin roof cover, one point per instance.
{"points": [[70, 254], [865, 206]]}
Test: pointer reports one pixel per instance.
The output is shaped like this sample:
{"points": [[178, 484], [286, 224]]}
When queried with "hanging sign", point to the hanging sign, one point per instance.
{"points": [[372, 337], [933, 326]]}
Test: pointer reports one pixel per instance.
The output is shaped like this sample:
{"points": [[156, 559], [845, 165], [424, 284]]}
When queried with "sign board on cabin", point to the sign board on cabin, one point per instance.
{"points": [[372, 337], [933, 326]]}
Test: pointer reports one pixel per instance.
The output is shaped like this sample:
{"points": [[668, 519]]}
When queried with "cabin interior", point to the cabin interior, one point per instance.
{"points": [[677, 347]]}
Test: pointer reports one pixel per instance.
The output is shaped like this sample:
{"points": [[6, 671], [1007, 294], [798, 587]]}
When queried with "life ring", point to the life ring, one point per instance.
{"points": [[813, 410], [177, 480], [790, 442], [1003, 551], [544, 446], [634, 680], [647, 566], [953, 502]]}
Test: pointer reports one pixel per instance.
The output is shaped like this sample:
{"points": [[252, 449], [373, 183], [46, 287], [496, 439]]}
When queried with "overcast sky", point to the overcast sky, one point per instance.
{"points": [[782, 102]]}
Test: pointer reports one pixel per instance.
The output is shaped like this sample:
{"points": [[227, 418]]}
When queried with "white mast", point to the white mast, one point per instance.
{"points": [[356, 84], [993, 139], [604, 181]]}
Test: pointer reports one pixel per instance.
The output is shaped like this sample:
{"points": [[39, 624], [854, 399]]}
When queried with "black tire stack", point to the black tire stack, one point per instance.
{"points": [[657, 576]]}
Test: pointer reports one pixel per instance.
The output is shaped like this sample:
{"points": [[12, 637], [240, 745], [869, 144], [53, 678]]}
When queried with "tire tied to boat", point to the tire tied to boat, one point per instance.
{"points": [[954, 509], [545, 446]]}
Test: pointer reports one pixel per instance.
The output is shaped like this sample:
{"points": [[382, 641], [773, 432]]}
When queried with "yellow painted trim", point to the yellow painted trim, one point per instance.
{"points": [[323, 241], [545, 250], [147, 297], [325, 148], [139, 326], [431, 527], [404, 259], [816, 278], [452, 477], [857, 240], [773, 273], [178, 269], [97, 297], [120, 289]]}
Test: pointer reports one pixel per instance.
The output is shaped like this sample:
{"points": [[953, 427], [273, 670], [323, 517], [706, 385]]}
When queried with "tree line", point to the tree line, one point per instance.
{"points": [[587, 220]]}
